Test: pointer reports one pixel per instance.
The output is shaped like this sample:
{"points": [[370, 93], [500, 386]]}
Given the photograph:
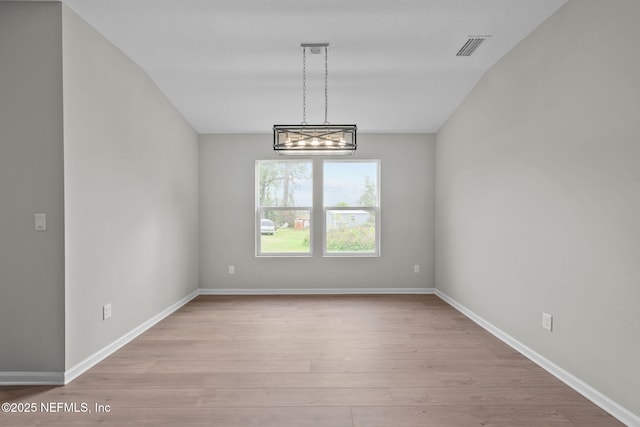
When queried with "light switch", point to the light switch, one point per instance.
{"points": [[41, 222]]}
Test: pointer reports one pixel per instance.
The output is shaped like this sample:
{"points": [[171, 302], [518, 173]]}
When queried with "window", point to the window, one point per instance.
{"points": [[351, 208], [284, 199], [349, 194]]}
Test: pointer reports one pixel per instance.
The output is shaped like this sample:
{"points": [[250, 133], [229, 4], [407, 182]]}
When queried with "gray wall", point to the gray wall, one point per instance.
{"points": [[131, 190], [31, 181], [538, 195], [227, 212]]}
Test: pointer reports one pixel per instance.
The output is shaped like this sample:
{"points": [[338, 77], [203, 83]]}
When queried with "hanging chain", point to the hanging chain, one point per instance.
{"points": [[326, 96], [304, 86], [304, 83]]}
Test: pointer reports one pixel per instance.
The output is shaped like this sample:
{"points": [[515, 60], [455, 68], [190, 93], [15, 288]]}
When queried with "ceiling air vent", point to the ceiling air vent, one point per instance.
{"points": [[471, 45]]}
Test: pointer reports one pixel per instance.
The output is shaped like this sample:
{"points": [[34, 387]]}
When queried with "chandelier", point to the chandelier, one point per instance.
{"points": [[322, 139]]}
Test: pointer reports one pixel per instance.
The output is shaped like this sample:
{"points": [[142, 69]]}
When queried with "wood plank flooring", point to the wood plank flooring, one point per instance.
{"points": [[300, 361]]}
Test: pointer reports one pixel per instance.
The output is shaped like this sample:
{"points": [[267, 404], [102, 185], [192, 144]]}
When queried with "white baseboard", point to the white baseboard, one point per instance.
{"points": [[612, 407], [61, 378], [100, 355], [317, 291], [31, 378]]}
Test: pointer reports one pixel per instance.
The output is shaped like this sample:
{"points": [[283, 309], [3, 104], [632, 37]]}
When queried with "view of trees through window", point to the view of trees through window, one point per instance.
{"points": [[285, 197], [350, 194], [350, 198]]}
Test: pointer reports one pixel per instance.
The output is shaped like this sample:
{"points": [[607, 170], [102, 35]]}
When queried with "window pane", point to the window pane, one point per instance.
{"points": [[284, 183], [284, 197], [350, 230], [285, 231], [351, 203], [350, 184]]}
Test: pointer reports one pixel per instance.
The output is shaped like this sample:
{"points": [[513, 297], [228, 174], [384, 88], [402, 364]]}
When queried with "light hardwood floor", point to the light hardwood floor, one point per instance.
{"points": [[334, 361]]}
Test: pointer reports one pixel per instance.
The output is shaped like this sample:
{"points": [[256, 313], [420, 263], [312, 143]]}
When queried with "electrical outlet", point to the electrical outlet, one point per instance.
{"points": [[547, 321], [232, 269], [106, 311], [416, 268]]}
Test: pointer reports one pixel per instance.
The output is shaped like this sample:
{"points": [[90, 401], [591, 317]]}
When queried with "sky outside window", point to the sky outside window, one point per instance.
{"points": [[346, 182]]}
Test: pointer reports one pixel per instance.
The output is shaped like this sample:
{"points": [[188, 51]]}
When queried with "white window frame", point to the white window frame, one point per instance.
{"points": [[374, 209]]}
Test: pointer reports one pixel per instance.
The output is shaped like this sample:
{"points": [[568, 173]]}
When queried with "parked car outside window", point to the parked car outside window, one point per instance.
{"points": [[267, 227]]}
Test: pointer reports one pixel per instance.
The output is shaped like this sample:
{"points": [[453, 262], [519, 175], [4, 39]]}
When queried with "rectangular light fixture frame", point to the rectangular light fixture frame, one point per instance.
{"points": [[314, 140]]}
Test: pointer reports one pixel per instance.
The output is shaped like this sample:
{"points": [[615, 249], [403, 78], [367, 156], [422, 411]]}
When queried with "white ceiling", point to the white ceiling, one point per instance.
{"points": [[236, 65]]}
